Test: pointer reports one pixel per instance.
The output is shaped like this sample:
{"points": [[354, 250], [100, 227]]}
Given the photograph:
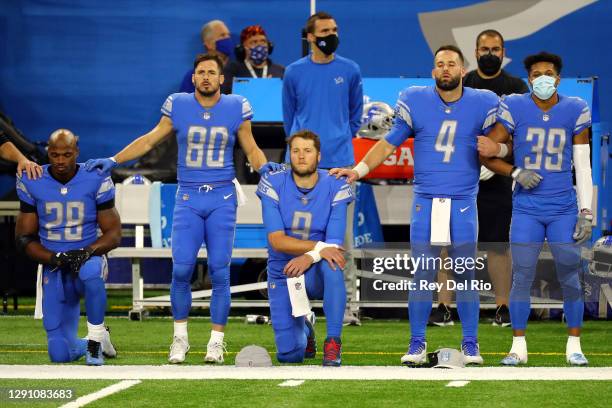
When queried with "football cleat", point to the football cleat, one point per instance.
{"points": [[332, 352], [214, 352], [350, 318], [513, 359], [178, 350], [416, 354], [93, 355], [108, 349], [502, 317], [80, 349], [311, 342], [441, 316], [471, 353], [577, 359]]}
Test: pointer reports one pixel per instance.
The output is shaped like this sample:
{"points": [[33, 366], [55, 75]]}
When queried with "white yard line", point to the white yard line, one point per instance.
{"points": [[291, 383], [457, 383], [104, 392], [159, 372]]}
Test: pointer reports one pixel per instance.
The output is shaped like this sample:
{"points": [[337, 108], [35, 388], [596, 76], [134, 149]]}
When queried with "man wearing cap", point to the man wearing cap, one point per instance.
{"points": [[252, 59]]}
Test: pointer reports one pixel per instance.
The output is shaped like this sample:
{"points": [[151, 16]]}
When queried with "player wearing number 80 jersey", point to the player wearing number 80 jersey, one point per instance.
{"points": [[207, 125], [549, 132]]}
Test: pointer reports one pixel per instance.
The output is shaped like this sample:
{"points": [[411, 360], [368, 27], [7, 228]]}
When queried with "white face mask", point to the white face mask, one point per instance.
{"points": [[544, 87]]}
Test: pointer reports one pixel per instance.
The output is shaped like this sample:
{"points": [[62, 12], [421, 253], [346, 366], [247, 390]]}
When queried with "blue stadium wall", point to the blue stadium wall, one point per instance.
{"points": [[103, 69]]}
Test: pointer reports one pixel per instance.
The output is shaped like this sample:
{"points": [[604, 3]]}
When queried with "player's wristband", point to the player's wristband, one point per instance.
{"points": [[587, 213], [503, 150], [361, 169], [315, 255], [112, 158], [515, 172]]}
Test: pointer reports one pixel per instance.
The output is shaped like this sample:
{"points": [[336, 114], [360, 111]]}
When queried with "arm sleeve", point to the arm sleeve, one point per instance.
{"points": [[402, 124], [106, 191], [336, 226], [23, 193], [356, 103], [289, 102], [584, 118], [584, 179], [504, 116], [272, 218], [491, 117], [247, 110], [26, 208], [166, 108]]}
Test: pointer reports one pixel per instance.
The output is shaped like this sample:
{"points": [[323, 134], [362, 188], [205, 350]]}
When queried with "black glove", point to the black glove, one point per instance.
{"points": [[72, 260]]}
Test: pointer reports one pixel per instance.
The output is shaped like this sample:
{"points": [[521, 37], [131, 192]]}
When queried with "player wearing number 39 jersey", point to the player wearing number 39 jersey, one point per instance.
{"points": [[550, 132], [445, 121], [207, 125]]}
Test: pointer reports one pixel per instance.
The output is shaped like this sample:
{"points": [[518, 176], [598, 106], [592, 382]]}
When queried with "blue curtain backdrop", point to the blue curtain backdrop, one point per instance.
{"points": [[103, 69]]}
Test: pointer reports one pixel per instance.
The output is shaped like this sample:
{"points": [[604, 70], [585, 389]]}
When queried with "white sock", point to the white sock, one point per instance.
{"points": [[573, 345], [519, 346], [180, 329], [96, 332], [216, 336]]}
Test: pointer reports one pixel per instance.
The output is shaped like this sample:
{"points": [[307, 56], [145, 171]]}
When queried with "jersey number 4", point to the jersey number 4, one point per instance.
{"points": [[555, 143], [74, 212], [445, 142], [196, 141]]}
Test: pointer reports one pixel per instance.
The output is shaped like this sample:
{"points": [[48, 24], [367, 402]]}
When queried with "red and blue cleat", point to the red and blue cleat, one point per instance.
{"points": [[332, 352]]}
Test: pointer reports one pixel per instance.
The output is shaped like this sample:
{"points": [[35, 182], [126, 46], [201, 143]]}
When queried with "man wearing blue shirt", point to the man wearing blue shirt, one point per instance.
{"points": [[304, 211], [445, 120], [207, 126], [550, 133], [322, 92]]}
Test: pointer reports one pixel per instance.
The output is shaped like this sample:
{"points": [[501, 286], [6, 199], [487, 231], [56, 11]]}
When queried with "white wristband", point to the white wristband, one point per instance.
{"points": [[316, 257], [113, 159], [362, 169], [503, 150]]}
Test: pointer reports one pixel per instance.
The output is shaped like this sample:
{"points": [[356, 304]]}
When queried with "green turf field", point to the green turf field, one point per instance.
{"points": [[376, 343]]}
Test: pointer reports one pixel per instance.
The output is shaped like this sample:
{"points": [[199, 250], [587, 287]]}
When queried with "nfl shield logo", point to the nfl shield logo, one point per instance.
{"points": [[304, 200], [206, 115], [545, 118], [185, 197], [298, 286], [64, 191]]}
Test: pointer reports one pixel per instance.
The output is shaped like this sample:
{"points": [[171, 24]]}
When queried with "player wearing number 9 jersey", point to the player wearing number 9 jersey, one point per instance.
{"points": [[207, 125], [550, 132], [445, 121]]}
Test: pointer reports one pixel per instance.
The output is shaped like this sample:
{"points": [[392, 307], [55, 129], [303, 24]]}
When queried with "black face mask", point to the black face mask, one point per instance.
{"points": [[327, 44], [489, 64]]}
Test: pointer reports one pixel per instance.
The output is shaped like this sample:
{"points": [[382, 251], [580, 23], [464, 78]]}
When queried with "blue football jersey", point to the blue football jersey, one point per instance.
{"points": [[543, 141], [67, 213], [206, 136], [304, 216], [446, 160]]}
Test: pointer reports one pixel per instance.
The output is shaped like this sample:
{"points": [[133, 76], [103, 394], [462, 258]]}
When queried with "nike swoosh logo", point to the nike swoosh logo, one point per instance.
{"points": [[227, 196], [464, 209]]}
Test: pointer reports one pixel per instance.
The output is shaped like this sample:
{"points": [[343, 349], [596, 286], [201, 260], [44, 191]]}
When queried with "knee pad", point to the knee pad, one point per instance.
{"points": [[295, 356], [182, 273]]}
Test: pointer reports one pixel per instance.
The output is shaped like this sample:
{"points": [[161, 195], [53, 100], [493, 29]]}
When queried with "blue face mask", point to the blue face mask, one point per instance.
{"points": [[259, 54], [543, 87], [225, 46]]}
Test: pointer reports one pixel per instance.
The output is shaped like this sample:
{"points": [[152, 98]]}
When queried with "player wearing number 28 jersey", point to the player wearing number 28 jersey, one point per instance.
{"points": [[445, 121], [207, 126]]}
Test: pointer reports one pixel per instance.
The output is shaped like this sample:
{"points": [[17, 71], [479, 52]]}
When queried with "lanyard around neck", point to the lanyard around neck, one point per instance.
{"points": [[264, 73]]}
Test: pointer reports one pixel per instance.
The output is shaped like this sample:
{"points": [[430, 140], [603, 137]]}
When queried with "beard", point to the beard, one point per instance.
{"points": [[208, 94], [448, 85], [304, 173]]}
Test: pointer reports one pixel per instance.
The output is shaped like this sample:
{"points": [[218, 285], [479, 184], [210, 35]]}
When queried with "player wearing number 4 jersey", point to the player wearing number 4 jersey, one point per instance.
{"points": [[549, 132], [445, 121], [57, 226], [207, 125]]}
